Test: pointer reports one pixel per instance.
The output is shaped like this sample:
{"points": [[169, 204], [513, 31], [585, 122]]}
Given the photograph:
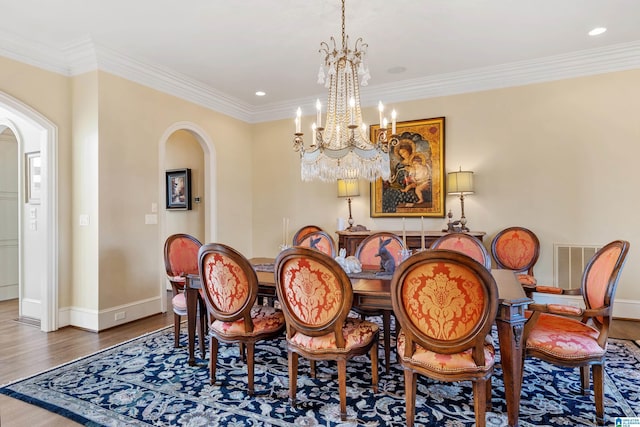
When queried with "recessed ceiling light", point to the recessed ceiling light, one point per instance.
{"points": [[397, 70], [597, 31], [260, 93]]}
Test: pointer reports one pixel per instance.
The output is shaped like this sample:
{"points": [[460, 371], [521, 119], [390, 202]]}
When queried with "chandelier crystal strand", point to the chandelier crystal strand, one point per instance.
{"points": [[340, 147]]}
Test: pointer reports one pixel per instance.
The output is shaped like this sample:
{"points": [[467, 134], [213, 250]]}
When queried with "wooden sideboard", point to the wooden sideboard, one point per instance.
{"points": [[350, 240]]}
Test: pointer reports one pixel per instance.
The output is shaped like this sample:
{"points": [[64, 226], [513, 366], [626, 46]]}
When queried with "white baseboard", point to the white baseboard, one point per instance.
{"points": [[623, 309], [8, 292], [96, 321], [31, 308]]}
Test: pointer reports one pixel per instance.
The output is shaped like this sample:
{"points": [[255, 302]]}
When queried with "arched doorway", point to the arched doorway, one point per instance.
{"points": [[37, 138], [205, 180]]}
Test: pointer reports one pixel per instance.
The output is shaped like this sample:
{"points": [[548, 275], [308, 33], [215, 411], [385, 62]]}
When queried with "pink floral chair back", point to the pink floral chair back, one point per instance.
{"points": [[302, 232], [229, 283], [181, 256], [465, 244], [601, 275], [445, 303], [368, 250], [315, 293], [517, 248], [319, 240]]}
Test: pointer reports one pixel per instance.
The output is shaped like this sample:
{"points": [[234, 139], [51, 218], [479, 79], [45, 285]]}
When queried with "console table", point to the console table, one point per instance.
{"points": [[350, 240]]}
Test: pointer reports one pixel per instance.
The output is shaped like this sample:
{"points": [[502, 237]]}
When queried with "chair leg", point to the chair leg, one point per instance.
{"points": [[293, 376], [176, 330], [374, 366], [584, 379], [312, 368], [386, 329], [213, 360], [250, 367], [598, 392], [342, 384], [242, 353], [480, 401], [202, 333], [410, 395]]}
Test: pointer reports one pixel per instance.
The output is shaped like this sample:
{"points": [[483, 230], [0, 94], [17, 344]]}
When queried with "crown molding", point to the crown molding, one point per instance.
{"points": [[84, 55]]}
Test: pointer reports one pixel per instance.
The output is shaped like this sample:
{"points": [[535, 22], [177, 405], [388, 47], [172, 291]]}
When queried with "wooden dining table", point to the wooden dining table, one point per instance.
{"points": [[373, 291]]}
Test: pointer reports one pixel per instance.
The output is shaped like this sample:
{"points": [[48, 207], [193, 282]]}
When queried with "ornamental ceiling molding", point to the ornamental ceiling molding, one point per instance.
{"points": [[84, 55]]}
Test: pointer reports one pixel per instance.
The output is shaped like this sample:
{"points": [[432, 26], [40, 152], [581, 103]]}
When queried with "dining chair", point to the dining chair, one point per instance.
{"points": [[444, 336], [229, 287], [320, 241], [302, 232], [577, 337], [316, 296], [368, 253], [517, 248], [180, 259], [466, 244]]}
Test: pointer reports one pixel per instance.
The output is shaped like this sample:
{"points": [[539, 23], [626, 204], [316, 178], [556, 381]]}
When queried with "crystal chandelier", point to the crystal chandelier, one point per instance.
{"points": [[341, 149]]}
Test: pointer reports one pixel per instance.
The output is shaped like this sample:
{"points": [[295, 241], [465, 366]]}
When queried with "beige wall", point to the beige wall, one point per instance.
{"points": [[556, 157], [559, 158]]}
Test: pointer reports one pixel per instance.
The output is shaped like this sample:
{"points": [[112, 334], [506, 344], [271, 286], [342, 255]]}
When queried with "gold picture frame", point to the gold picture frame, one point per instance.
{"points": [[416, 185]]}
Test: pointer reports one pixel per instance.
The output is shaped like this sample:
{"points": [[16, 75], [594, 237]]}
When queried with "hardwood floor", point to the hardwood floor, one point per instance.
{"points": [[25, 350]]}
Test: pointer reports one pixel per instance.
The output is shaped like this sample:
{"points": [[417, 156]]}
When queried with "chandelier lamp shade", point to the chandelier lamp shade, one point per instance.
{"points": [[340, 147]]}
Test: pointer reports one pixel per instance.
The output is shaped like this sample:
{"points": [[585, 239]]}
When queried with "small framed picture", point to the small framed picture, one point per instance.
{"points": [[33, 179], [178, 189]]}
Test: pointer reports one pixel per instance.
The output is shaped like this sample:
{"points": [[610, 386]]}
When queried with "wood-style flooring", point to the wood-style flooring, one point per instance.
{"points": [[25, 350]]}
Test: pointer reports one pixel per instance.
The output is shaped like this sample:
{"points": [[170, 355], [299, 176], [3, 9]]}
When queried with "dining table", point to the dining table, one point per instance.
{"points": [[372, 290]]}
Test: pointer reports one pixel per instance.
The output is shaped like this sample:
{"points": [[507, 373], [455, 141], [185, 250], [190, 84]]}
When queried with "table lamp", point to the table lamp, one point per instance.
{"points": [[460, 182], [348, 188]]}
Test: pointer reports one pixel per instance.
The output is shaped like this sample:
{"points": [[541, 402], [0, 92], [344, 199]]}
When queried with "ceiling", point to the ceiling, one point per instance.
{"points": [[218, 53]]}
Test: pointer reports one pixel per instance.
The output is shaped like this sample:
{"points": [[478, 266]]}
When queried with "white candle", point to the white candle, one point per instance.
{"points": [[284, 231], [298, 119], [422, 231], [380, 110], [384, 123], [393, 122], [404, 234], [319, 110]]}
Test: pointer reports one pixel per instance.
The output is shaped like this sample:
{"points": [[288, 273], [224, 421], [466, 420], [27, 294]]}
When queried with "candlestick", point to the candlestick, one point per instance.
{"points": [[380, 110], [404, 234], [298, 119], [422, 231], [393, 122], [284, 232]]}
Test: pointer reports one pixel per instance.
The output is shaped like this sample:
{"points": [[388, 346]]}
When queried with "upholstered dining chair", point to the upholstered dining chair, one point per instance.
{"points": [[316, 296], [180, 259], [517, 248], [229, 286], [302, 232], [466, 244], [320, 241], [444, 336], [576, 337], [368, 253]]}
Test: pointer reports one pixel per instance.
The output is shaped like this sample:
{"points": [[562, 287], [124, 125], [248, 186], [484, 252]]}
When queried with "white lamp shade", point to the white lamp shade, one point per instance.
{"points": [[460, 182], [348, 188]]}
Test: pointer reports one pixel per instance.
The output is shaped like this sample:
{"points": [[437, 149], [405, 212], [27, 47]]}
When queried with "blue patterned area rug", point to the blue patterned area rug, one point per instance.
{"points": [[146, 382]]}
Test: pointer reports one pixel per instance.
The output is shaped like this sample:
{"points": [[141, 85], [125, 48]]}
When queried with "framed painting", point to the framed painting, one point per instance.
{"points": [[416, 184], [179, 189], [33, 179]]}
